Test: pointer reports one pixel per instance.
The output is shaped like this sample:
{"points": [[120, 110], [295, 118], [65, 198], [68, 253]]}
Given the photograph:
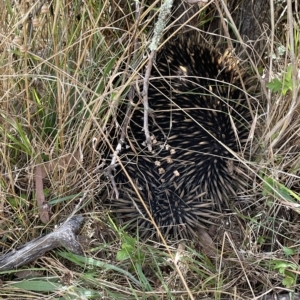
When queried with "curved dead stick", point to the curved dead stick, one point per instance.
{"points": [[64, 236]]}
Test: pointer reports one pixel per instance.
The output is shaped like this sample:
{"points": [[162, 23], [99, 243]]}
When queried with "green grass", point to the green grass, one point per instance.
{"points": [[60, 83]]}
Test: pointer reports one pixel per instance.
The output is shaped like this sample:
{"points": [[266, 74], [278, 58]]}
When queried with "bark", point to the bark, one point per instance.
{"points": [[252, 18]]}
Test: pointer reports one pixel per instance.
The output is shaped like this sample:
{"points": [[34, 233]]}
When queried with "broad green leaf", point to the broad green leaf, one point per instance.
{"points": [[37, 285]]}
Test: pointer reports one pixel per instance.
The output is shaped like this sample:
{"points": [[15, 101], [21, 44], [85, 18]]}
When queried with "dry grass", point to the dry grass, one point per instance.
{"points": [[59, 66]]}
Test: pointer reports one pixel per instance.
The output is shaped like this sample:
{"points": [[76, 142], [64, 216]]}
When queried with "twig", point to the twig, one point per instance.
{"points": [[145, 99], [161, 23], [64, 236], [118, 149]]}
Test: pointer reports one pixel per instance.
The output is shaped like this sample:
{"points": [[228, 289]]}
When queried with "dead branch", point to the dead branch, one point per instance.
{"points": [[64, 236], [165, 12]]}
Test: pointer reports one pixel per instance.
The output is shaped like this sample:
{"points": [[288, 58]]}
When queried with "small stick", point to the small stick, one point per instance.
{"points": [[161, 23], [119, 148], [145, 100], [64, 236]]}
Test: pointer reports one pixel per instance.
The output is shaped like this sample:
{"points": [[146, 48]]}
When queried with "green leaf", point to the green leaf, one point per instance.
{"points": [[128, 240], [128, 247], [275, 85], [17, 202], [83, 261], [283, 265], [37, 285], [142, 277], [122, 255], [59, 200], [288, 251], [273, 187], [288, 281], [283, 85], [261, 240]]}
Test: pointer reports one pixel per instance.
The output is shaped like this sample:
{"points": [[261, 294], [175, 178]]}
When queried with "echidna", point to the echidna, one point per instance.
{"points": [[199, 123]]}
